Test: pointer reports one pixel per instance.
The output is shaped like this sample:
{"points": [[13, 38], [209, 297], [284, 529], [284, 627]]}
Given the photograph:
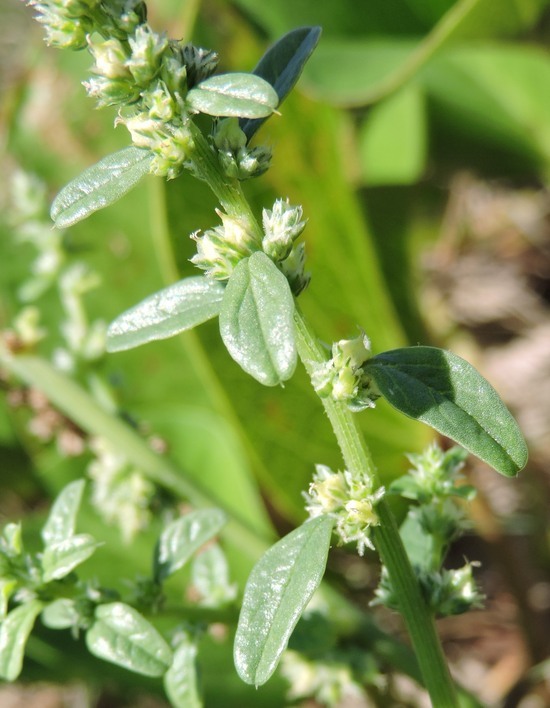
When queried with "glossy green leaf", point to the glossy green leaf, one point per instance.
{"points": [[256, 320], [63, 556], [180, 681], [122, 636], [100, 185], [446, 392], [14, 632], [183, 537], [60, 614], [174, 309], [7, 586], [282, 65], [234, 95], [393, 140], [61, 521], [277, 592]]}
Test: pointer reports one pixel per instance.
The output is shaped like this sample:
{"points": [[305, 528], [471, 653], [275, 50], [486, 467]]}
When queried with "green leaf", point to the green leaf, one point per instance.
{"points": [[233, 95], [183, 537], [61, 521], [174, 309], [60, 558], [256, 320], [282, 65], [277, 592], [210, 577], [180, 681], [446, 392], [392, 141], [60, 614], [122, 636], [7, 586], [100, 185], [14, 632]]}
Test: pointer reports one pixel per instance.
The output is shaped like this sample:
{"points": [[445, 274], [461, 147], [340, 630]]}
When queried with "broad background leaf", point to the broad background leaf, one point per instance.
{"points": [[277, 592]]}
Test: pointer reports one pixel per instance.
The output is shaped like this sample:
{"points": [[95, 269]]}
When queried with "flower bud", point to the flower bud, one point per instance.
{"points": [[282, 226], [147, 50], [110, 59]]}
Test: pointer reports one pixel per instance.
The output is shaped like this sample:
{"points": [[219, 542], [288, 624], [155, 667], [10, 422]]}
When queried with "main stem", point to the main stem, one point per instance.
{"points": [[357, 458]]}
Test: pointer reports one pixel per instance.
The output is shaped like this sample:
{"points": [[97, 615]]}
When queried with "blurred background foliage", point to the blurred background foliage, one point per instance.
{"points": [[418, 143]]}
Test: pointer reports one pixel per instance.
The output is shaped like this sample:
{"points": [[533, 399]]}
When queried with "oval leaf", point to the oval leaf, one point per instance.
{"points": [[282, 65], [122, 636], [174, 309], [277, 592], [100, 185], [446, 392], [183, 537], [180, 681], [60, 614], [256, 320], [62, 518], [234, 95], [60, 558], [14, 632]]}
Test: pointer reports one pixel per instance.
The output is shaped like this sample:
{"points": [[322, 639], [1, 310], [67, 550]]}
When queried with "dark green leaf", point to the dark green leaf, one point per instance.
{"points": [[256, 320], [60, 558], [62, 518], [282, 65], [180, 681], [277, 592], [444, 391], [183, 537], [168, 312], [100, 185], [234, 95], [122, 636], [14, 632]]}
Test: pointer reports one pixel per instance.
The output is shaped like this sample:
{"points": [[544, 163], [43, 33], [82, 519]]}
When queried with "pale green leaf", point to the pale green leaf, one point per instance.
{"points": [[256, 320], [100, 185], [277, 592], [122, 636], [234, 95], [392, 141], [446, 392], [183, 537], [60, 558], [180, 681], [61, 521], [174, 309], [210, 577], [60, 614], [14, 632]]}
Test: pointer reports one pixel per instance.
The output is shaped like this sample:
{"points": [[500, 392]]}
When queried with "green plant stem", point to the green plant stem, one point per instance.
{"points": [[358, 460], [357, 457]]}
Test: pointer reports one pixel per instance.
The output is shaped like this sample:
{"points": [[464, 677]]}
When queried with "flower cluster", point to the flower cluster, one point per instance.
{"points": [[238, 160], [342, 376], [143, 73], [437, 518], [349, 499], [121, 493], [221, 248]]}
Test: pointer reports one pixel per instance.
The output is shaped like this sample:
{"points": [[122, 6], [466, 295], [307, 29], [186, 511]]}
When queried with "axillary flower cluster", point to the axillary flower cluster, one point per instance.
{"points": [[145, 75]]}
